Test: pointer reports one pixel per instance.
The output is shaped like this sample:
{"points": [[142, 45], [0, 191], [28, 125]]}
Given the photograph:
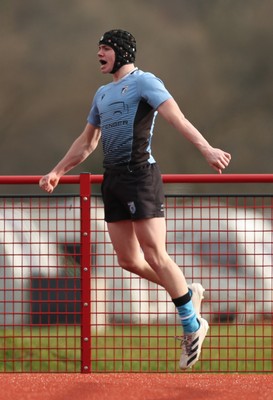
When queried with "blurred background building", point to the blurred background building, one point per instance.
{"points": [[213, 56]]}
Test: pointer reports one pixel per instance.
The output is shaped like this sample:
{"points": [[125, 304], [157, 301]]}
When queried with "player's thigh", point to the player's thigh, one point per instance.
{"points": [[124, 240], [151, 234]]}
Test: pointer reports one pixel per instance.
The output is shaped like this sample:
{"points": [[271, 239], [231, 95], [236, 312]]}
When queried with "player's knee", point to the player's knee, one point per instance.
{"points": [[128, 264], [157, 261]]}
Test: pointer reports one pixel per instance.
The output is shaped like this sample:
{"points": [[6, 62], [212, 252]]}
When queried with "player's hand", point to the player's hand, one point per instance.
{"points": [[49, 182], [218, 159]]}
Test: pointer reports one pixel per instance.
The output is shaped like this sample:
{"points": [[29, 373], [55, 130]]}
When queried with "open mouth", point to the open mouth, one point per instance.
{"points": [[103, 62]]}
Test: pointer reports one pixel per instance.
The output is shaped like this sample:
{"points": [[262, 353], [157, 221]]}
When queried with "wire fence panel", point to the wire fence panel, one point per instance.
{"points": [[40, 293], [66, 305], [223, 242]]}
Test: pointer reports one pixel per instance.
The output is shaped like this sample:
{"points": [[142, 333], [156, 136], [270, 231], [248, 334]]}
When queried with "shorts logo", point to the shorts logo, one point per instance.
{"points": [[132, 207]]}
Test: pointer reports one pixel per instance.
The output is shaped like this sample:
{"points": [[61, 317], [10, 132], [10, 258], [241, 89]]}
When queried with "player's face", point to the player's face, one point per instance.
{"points": [[106, 58]]}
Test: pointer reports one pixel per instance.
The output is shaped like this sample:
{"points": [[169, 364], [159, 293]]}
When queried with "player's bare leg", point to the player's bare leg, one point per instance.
{"points": [[154, 264]]}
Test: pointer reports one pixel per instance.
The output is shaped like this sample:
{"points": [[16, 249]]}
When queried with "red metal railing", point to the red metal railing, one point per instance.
{"points": [[85, 195], [170, 178], [67, 307]]}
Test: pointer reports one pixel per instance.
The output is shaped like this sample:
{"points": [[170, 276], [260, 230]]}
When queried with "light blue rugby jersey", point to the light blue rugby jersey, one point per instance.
{"points": [[126, 111]]}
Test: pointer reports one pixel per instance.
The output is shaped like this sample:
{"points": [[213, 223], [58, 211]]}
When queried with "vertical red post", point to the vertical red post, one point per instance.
{"points": [[85, 202]]}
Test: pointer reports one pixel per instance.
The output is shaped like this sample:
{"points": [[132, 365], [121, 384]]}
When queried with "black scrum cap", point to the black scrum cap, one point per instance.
{"points": [[124, 45]]}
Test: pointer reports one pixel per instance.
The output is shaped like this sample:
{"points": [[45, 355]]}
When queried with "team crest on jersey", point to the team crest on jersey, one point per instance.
{"points": [[132, 207], [124, 89]]}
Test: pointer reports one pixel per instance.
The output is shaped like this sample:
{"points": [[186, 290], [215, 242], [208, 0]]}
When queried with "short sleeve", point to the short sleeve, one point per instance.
{"points": [[93, 116], [152, 90]]}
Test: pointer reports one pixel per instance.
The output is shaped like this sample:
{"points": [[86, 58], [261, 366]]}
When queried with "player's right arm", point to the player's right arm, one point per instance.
{"points": [[80, 149]]}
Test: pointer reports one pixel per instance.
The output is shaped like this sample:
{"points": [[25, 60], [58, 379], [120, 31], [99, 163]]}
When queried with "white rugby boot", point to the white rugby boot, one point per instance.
{"points": [[197, 296], [191, 344]]}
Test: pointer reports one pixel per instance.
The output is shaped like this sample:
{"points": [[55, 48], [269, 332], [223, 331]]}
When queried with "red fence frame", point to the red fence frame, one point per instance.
{"points": [[167, 178], [85, 196], [85, 182]]}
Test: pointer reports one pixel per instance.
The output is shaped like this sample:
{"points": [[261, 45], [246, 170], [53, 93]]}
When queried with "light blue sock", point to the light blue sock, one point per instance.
{"points": [[188, 317]]}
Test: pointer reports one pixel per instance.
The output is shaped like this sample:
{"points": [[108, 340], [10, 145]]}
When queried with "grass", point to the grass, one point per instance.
{"points": [[46, 349], [228, 348]]}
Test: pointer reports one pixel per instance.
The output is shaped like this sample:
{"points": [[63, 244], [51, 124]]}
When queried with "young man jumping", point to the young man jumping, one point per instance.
{"points": [[122, 115]]}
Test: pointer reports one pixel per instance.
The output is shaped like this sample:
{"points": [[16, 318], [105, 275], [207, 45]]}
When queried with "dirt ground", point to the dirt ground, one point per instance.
{"points": [[144, 386]]}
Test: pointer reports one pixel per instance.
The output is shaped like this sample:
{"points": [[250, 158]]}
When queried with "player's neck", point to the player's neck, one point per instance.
{"points": [[123, 71]]}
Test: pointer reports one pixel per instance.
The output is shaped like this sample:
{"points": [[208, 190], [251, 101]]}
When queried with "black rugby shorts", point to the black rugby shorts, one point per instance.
{"points": [[133, 195]]}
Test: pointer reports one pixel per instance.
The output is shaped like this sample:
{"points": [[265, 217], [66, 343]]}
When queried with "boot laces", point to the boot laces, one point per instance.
{"points": [[185, 342]]}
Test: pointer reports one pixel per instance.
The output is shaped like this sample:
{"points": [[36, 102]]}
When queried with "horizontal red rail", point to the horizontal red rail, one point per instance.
{"points": [[170, 178]]}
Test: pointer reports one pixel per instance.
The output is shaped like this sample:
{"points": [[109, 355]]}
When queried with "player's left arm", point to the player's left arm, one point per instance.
{"points": [[216, 158]]}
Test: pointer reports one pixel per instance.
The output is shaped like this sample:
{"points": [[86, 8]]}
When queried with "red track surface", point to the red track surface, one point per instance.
{"points": [[136, 386]]}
